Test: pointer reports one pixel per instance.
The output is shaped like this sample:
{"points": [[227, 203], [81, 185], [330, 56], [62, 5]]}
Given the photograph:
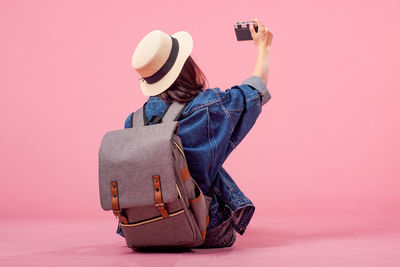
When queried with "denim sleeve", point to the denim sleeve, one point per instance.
{"points": [[128, 121], [243, 104]]}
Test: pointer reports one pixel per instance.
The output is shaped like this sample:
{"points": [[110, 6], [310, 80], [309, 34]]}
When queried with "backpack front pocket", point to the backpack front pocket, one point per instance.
{"points": [[173, 230]]}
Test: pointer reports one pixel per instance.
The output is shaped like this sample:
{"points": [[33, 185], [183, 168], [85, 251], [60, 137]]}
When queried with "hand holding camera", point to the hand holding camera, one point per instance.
{"points": [[262, 38], [254, 30]]}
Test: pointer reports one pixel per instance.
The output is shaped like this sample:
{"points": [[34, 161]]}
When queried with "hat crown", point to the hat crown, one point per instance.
{"points": [[151, 53]]}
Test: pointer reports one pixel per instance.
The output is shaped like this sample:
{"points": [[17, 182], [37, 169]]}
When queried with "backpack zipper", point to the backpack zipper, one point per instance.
{"points": [[159, 217], [180, 149], [172, 214], [179, 191]]}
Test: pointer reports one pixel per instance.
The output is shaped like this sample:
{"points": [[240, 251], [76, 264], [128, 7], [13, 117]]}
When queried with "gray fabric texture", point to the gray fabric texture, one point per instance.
{"points": [[131, 157], [120, 161], [199, 209], [175, 230], [169, 116]]}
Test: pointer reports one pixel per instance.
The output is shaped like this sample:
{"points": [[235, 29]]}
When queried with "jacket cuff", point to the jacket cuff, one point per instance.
{"points": [[258, 83]]}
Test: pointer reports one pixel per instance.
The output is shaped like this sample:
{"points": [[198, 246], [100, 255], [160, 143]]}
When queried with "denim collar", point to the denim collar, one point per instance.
{"points": [[152, 97]]}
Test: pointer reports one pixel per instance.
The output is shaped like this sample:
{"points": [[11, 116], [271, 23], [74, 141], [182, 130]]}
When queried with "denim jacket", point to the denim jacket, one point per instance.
{"points": [[211, 126]]}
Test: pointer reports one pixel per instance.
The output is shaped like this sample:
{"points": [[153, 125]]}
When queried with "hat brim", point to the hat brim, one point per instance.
{"points": [[185, 48]]}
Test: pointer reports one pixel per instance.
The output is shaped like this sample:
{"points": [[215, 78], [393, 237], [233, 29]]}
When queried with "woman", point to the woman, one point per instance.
{"points": [[212, 123]]}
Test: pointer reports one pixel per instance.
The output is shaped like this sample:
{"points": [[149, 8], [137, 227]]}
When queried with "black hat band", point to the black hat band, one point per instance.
{"points": [[167, 65]]}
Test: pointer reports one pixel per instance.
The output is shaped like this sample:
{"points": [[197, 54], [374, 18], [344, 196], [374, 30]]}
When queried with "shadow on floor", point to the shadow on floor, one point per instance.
{"points": [[261, 237]]}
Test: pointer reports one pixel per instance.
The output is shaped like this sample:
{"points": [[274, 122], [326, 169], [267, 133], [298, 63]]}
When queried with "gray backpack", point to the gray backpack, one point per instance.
{"points": [[144, 179]]}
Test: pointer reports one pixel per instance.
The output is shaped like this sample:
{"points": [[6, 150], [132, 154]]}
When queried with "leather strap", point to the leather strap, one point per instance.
{"points": [[160, 205], [115, 202], [204, 231], [185, 173]]}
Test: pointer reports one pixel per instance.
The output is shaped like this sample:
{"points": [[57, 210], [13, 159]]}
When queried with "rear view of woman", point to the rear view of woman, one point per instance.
{"points": [[212, 123]]}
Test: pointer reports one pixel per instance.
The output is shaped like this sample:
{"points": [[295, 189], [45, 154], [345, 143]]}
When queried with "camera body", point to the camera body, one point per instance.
{"points": [[242, 30]]}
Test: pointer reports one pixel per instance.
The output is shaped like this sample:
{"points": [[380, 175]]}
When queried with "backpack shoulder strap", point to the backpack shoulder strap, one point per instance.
{"points": [[171, 113], [174, 111], [137, 118]]}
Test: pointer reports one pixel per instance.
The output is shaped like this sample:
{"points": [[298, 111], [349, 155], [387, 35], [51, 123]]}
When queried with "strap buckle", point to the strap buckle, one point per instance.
{"points": [[160, 206], [162, 209]]}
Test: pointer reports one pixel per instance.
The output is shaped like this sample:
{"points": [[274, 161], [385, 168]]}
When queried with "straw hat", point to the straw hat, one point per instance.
{"points": [[159, 58]]}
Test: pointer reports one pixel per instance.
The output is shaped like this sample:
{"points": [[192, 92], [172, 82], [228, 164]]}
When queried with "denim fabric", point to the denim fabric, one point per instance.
{"points": [[224, 235], [211, 127]]}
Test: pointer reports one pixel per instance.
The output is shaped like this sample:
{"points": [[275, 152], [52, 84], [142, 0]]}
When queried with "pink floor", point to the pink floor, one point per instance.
{"points": [[335, 240]]}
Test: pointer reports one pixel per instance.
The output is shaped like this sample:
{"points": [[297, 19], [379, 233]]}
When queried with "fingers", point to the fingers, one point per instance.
{"points": [[252, 30], [269, 38], [258, 21], [261, 27], [263, 33]]}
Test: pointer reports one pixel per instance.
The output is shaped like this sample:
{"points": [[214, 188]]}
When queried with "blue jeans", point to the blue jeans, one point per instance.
{"points": [[224, 235]]}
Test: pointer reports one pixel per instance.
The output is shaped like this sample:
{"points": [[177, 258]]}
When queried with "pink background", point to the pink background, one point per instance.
{"points": [[328, 141], [321, 164]]}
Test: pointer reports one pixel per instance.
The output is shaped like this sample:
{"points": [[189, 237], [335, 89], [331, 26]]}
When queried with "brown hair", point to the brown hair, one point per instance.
{"points": [[190, 82]]}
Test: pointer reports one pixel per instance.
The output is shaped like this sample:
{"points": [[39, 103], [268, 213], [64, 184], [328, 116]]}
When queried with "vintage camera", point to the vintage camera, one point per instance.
{"points": [[242, 30]]}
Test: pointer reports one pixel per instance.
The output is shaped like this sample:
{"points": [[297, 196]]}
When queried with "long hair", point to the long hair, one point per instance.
{"points": [[190, 82]]}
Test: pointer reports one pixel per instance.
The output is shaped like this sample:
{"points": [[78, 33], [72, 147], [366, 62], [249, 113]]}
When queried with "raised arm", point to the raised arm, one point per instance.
{"points": [[262, 40], [244, 101]]}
